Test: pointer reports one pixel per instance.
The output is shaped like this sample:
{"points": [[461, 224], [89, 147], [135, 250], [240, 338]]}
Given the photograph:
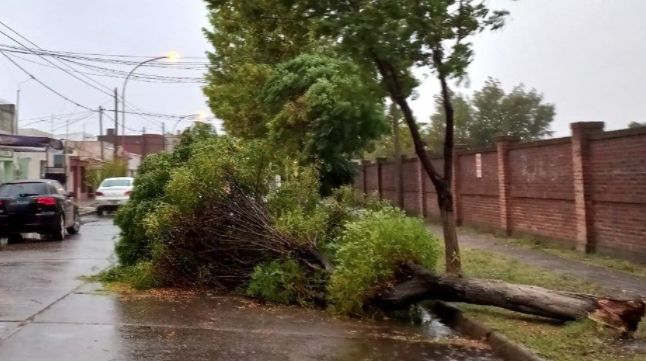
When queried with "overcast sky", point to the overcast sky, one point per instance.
{"points": [[588, 57]]}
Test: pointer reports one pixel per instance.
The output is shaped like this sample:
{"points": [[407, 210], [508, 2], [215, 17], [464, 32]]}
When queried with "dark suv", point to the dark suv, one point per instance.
{"points": [[37, 206]]}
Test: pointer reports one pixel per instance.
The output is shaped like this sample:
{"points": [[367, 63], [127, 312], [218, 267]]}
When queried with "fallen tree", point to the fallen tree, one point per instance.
{"points": [[218, 224], [415, 283]]}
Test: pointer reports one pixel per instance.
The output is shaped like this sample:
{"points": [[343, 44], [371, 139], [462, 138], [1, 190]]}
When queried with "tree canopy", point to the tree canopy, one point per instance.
{"points": [[490, 112], [384, 37], [246, 47], [326, 110]]}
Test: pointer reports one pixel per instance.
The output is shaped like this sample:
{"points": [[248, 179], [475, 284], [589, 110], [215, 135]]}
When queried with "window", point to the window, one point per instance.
{"points": [[14, 190], [116, 182]]}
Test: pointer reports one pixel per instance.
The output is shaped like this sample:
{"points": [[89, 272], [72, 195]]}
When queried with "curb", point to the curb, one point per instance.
{"points": [[500, 344], [87, 213]]}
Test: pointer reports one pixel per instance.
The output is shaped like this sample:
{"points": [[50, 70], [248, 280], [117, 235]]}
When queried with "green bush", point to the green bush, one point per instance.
{"points": [[370, 251], [278, 281], [155, 172], [134, 245]]}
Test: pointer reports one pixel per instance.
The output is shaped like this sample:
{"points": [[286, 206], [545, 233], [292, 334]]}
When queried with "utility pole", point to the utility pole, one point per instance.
{"points": [[163, 136], [101, 132], [143, 142], [15, 113], [399, 176], [116, 124]]}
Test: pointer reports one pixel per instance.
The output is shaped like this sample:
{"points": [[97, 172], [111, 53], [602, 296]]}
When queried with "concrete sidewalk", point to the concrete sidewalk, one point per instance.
{"points": [[87, 207], [615, 283]]}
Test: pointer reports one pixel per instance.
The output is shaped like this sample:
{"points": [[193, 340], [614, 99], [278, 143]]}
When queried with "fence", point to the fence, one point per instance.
{"points": [[587, 191]]}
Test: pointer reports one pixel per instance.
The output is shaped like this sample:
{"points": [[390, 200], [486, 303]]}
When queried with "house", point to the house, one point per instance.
{"points": [[143, 144]]}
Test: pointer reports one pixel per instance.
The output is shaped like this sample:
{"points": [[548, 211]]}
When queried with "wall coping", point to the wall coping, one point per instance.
{"points": [[619, 133], [587, 125], [541, 143]]}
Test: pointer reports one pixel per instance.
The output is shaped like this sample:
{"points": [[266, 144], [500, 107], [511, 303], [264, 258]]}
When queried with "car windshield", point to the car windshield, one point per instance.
{"points": [[14, 190], [116, 183]]}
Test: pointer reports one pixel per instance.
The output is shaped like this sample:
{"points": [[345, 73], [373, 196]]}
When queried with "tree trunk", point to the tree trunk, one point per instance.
{"points": [[451, 246], [442, 184], [417, 284]]}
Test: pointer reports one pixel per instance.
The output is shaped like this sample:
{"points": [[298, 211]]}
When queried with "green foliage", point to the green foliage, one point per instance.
{"points": [[279, 281], [110, 169], [140, 276], [155, 172], [491, 112], [133, 244], [371, 250], [327, 111], [246, 47], [197, 133]]}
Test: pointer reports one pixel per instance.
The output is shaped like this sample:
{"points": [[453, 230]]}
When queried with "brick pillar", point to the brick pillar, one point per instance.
{"points": [[421, 188], [364, 179], [399, 180], [503, 145], [455, 184], [380, 179], [582, 199]]}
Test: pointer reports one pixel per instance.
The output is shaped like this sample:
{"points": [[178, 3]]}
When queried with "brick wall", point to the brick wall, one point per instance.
{"points": [[587, 191]]}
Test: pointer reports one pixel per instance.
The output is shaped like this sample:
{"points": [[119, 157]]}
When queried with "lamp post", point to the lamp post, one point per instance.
{"points": [[171, 56], [15, 115]]}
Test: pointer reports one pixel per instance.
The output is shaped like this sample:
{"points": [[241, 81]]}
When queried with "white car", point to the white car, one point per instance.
{"points": [[112, 193]]}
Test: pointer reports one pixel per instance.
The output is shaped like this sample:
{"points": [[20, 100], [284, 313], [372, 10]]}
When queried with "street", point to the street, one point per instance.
{"points": [[47, 312]]}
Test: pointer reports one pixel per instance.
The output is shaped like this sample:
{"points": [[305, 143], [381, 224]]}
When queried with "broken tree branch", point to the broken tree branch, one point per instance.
{"points": [[415, 283]]}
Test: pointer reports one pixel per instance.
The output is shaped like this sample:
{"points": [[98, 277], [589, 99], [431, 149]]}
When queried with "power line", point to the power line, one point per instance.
{"points": [[58, 67], [119, 74], [52, 63], [54, 115], [71, 70], [42, 83]]}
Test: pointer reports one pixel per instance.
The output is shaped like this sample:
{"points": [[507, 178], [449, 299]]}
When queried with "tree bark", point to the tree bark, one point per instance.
{"points": [[414, 284]]}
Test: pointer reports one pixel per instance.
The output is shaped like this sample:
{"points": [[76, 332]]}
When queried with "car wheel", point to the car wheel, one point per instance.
{"points": [[58, 233], [76, 227], [99, 212]]}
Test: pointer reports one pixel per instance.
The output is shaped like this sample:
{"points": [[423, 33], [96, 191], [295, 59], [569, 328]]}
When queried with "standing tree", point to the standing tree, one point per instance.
{"points": [[491, 111], [382, 36], [395, 36]]}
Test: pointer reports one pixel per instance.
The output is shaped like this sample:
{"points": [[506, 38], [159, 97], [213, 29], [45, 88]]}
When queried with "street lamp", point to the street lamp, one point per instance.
{"points": [[172, 56]]}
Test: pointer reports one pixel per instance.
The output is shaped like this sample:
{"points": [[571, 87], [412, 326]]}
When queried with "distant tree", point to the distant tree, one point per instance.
{"points": [[325, 110], [386, 145], [109, 169], [636, 125], [197, 133], [463, 116], [246, 48], [490, 112]]}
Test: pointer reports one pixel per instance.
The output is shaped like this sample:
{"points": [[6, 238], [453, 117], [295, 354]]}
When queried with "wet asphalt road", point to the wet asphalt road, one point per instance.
{"points": [[48, 313]]}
